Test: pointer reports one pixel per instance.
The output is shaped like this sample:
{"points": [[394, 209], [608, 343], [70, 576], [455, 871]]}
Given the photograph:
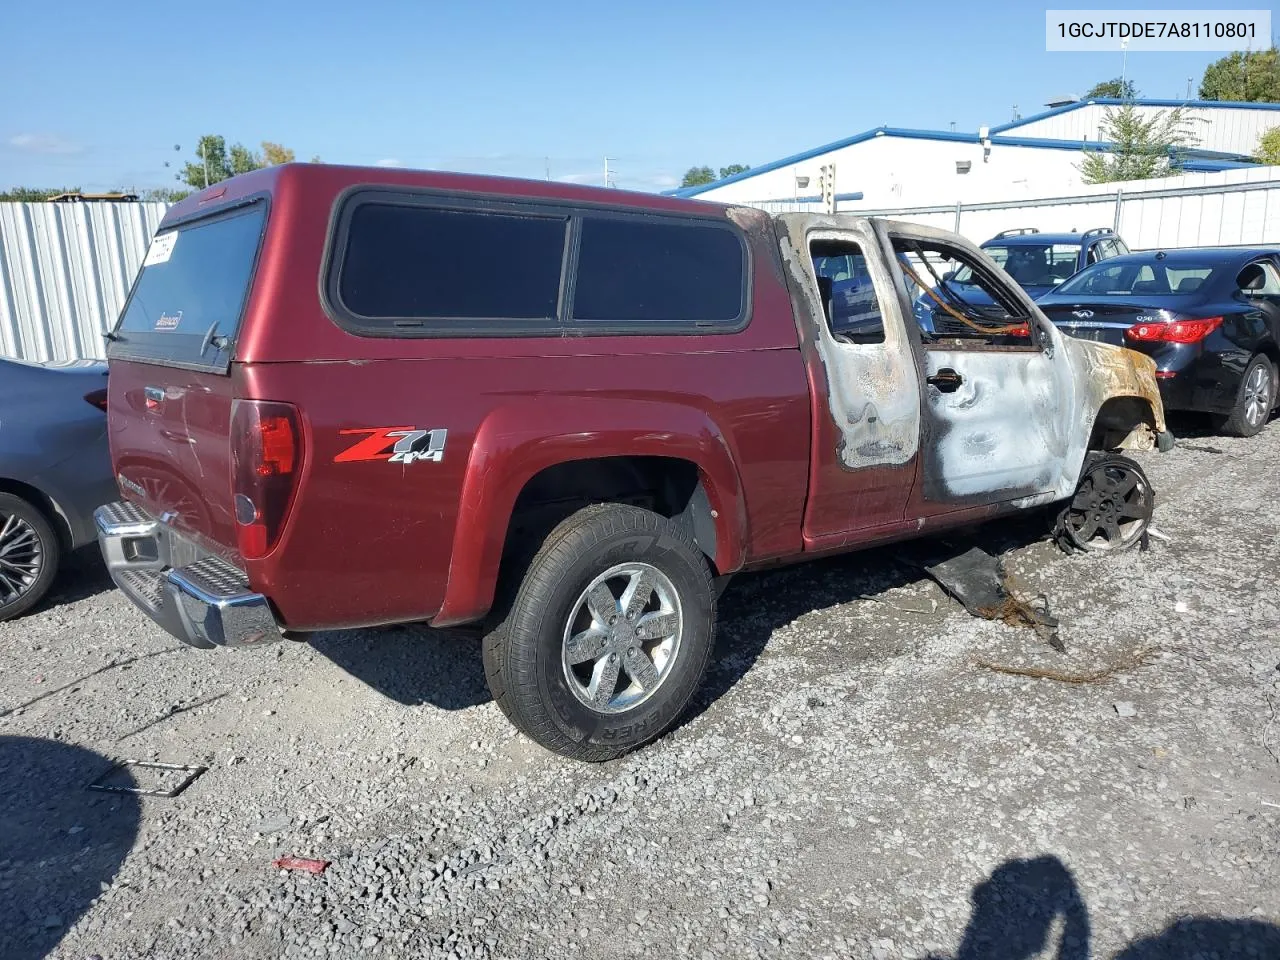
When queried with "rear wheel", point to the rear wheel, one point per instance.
{"points": [[609, 636], [1111, 509], [29, 552], [1254, 400]]}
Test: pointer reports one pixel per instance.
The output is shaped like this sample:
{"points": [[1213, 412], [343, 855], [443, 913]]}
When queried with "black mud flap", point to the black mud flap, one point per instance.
{"points": [[983, 585]]}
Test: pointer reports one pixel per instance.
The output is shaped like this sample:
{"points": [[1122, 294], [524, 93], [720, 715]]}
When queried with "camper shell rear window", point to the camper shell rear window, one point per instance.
{"points": [[189, 297]]}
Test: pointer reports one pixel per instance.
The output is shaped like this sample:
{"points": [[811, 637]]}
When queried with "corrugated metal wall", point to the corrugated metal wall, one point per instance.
{"points": [[1233, 208], [65, 270]]}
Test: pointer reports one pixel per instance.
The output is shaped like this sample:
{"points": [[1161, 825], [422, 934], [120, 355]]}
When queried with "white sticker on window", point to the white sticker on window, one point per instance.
{"points": [[161, 248]]}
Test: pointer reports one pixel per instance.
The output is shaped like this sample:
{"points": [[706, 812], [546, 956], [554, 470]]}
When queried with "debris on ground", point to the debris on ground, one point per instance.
{"points": [[933, 605], [988, 590], [165, 780], [300, 863], [1138, 659], [1124, 708]]}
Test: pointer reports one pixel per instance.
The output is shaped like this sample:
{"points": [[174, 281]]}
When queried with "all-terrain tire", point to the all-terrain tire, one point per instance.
{"points": [[524, 656], [1251, 412], [34, 543]]}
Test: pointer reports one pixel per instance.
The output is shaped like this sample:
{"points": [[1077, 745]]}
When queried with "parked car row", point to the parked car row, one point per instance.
{"points": [[331, 413]]}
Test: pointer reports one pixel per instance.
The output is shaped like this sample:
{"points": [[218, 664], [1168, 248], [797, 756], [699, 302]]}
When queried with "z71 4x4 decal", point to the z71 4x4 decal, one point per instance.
{"points": [[394, 445]]}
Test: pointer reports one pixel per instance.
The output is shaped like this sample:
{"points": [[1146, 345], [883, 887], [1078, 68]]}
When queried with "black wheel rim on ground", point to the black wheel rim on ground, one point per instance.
{"points": [[1112, 507], [21, 558]]}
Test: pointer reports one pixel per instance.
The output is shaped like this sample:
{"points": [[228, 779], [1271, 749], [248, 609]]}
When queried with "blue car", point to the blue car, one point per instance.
{"points": [[1210, 318], [55, 470], [1037, 261]]}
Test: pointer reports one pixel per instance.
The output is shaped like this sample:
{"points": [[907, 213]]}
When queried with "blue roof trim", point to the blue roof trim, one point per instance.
{"points": [[944, 135], [1214, 166], [777, 164], [1140, 102], [815, 198]]}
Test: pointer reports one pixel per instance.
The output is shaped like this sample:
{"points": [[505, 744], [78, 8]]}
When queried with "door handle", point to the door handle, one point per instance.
{"points": [[946, 380]]}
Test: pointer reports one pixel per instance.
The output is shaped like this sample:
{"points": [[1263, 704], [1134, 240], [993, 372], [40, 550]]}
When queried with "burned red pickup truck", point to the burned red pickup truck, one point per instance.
{"points": [[347, 397]]}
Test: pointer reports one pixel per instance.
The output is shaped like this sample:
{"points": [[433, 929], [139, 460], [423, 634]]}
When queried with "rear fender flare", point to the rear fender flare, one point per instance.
{"points": [[513, 444]]}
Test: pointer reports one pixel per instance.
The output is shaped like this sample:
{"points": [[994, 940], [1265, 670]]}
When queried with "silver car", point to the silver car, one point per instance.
{"points": [[55, 470]]}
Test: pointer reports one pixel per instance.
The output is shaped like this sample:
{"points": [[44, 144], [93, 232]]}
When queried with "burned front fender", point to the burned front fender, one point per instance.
{"points": [[1116, 399]]}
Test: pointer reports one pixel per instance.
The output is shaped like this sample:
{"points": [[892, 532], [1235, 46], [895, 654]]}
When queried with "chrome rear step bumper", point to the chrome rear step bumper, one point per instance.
{"points": [[195, 596]]}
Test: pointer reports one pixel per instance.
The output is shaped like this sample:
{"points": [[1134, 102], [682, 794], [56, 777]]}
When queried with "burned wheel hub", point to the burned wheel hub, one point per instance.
{"points": [[1111, 509]]}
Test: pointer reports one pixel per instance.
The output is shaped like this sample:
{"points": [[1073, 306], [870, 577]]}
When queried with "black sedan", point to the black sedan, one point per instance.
{"points": [[1210, 318]]}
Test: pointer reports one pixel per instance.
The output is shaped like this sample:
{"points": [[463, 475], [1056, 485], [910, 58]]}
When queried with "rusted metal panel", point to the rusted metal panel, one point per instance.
{"points": [[65, 271]]}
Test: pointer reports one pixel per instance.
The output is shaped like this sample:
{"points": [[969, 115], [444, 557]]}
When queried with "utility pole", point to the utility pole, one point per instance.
{"points": [[205, 160], [606, 170], [827, 186], [548, 159], [1124, 63]]}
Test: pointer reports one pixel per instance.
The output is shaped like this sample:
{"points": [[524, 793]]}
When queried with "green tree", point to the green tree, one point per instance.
{"points": [[1269, 147], [166, 194], [34, 194], [214, 162], [244, 160], [1142, 147], [733, 168], [210, 165], [273, 154], [697, 176], [1117, 89], [1251, 77]]}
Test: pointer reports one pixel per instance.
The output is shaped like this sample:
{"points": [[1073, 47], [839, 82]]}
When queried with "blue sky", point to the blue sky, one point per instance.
{"points": [[106, 91]]}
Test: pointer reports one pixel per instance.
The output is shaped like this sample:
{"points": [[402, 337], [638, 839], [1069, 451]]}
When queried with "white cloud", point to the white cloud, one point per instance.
{"points": [[390, 162], [43, 143], [591, 179]]}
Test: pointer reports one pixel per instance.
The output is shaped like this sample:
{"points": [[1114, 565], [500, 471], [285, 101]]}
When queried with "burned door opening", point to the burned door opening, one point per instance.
{"points": [[994, 425], [866, 406]]}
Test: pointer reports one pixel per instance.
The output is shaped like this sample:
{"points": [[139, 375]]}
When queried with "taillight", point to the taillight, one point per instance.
{"points": [[266, 460], [98, 398], [1174, 331], [1022, 330]]}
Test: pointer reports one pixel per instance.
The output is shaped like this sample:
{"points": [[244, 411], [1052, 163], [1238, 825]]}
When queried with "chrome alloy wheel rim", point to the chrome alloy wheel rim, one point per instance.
{"points": [[1257, 396], [622, 638], [21, 557]]}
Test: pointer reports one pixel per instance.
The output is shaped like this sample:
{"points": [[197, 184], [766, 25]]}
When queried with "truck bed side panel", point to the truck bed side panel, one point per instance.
{"points": [[370, 541]]}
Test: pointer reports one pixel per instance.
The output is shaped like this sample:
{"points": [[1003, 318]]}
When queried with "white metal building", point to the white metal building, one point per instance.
{"points": [[1222, 127], [1036, 156]]}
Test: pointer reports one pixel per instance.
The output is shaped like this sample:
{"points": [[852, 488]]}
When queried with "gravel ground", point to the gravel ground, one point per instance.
{"points": [[851, 784]]}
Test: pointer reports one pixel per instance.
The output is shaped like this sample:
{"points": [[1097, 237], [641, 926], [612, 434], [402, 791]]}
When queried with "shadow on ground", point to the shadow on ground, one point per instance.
{"points": [[83, 575], [60, 841], [1033, 908], [415, 665]]}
